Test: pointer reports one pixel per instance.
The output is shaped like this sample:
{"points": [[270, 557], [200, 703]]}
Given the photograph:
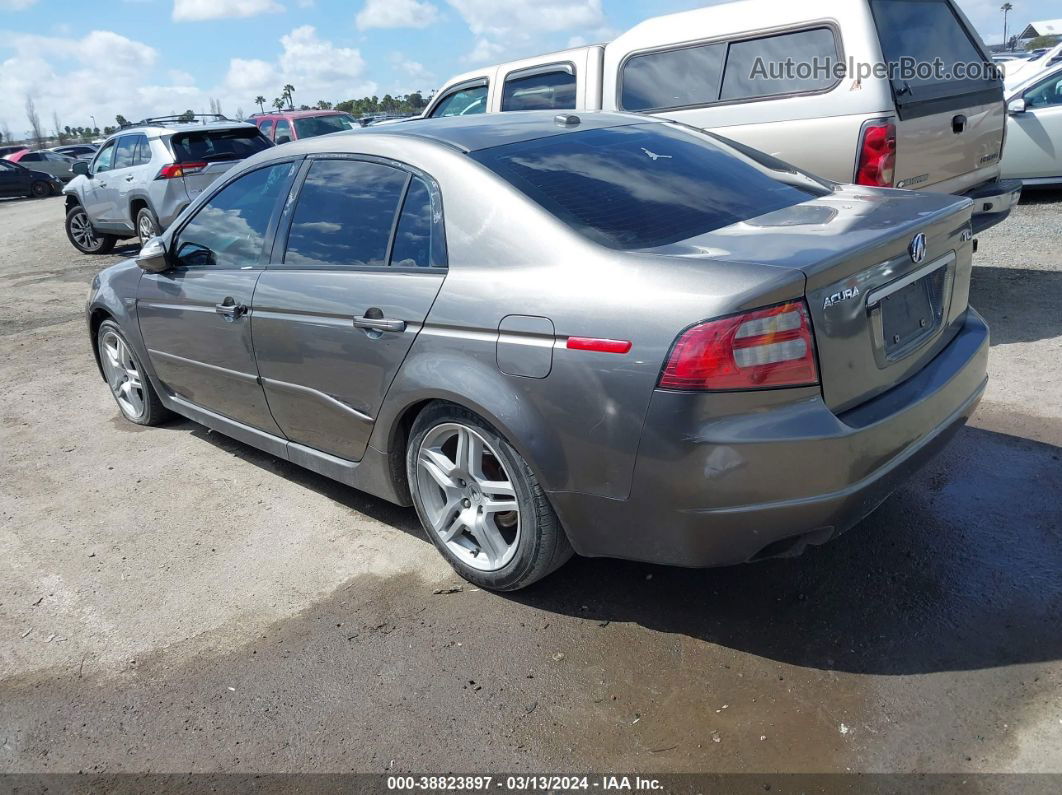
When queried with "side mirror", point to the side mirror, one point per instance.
{"points": [[1016, 106], [152, 257], [80, 167]]}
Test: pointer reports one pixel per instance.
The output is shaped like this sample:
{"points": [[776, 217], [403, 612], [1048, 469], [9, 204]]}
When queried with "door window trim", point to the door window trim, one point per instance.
{"points": [[475, 82], [271, 227], [562, 67], [727, 40], [275, 260]]}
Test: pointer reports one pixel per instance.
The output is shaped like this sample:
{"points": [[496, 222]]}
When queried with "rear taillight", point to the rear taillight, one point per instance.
{"points": [[765, 348], [877, 155], [174, 170]]}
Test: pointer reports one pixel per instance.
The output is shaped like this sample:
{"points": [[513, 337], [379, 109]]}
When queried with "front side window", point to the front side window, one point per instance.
{"points": [[104, 158], [32, 157], [749, 64], [345, 213], [673, 79], [463, 102], [267, 128], [645, 185], [1046, 94], [552, 90], [229, 230]]}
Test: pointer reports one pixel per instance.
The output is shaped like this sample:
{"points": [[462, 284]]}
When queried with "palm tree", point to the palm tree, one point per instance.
{"points": [[278, 103], [289, 94], [1006, 8], [260, 102]]}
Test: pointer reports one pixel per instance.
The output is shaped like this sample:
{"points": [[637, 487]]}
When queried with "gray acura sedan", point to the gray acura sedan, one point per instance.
{"points": [[599, 333]]}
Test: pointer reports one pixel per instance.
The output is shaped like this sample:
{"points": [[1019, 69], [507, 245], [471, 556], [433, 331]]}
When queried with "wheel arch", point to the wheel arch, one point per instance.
{"points": [[96, 318]]}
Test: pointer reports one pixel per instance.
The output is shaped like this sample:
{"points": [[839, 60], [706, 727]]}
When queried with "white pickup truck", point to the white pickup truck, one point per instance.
{"points": [[766, 74]]}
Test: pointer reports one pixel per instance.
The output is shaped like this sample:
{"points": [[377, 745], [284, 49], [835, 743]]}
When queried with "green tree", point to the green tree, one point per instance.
{"points": [[278, 103], [1006, 8], [1042, 41], [122, 120], [188, 115], [260, 102], [289, 95]]}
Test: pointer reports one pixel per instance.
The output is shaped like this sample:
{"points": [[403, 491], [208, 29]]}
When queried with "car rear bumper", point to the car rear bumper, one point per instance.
{"points": [[993, 202], [717, 485]]}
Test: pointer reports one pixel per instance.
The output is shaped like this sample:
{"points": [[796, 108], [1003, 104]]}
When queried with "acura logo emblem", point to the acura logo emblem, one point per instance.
{"points": [[918, 248]]}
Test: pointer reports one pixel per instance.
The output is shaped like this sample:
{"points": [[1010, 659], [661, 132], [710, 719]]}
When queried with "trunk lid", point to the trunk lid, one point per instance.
{"points": [[214, 151], [863, 287]]}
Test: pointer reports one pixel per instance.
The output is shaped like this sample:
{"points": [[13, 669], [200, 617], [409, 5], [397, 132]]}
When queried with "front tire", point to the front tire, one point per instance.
{"points": [[83, 237], [480, 503], [130, 386], [38, 190]]}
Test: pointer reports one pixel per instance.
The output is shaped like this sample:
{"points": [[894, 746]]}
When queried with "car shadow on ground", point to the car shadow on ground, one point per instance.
{"points": [[1020, 304], [1041, 196], [959, 570]]}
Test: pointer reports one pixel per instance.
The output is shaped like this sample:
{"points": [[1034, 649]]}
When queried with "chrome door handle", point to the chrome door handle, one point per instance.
{"points": [[103, 184], [230, 310], [379, 323]]}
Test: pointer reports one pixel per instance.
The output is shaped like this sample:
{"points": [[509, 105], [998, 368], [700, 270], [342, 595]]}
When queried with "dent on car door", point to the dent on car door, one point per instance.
{"points": [[194, 318], [349, 288]]}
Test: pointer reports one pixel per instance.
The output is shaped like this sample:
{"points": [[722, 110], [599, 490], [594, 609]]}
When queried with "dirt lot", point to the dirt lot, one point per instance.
{"points": [[171, 600]]}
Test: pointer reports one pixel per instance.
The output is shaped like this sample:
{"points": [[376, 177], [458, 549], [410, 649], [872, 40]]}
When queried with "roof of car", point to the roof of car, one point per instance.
{"points": [[155, 128], [483, 131], [299, 114]]}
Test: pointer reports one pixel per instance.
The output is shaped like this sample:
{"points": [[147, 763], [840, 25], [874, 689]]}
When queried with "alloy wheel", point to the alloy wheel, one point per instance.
{"points": [[468, 496], [122, 374], [82, 232], [145, 228]]}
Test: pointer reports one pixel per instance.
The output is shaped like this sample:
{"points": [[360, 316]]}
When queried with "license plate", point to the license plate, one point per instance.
{"points": [[913, 312]]}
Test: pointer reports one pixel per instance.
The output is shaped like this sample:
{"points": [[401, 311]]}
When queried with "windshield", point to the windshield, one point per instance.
{"points": [[322, 125], [209, 145], [644, 185]]}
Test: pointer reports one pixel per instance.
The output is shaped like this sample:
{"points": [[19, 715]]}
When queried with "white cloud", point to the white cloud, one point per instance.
{"points": [[411, 75], [517, 27], [15, 5], [396, 14], [197, 10]]}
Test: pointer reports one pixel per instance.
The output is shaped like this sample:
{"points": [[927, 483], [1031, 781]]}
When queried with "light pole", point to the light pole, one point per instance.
{"points": [[1006, 8], [93, 122]]}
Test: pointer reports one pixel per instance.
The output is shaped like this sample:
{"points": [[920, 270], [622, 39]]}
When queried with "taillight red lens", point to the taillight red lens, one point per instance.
{"points": [[766, 348], [877, 155], [174, 170]]}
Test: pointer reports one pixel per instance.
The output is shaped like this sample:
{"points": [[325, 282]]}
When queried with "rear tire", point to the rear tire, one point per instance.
{"points": [[147, 225], [83, 237], [38, 190], [480, 503], [132, 390]]}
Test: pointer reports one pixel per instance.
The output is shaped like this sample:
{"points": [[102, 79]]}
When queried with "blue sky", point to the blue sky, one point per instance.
{"points": [[137, 57]]}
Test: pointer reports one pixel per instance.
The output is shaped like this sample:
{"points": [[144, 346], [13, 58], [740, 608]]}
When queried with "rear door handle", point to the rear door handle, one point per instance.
{"points": [[371, 323], [230, 310], [130, 178]]}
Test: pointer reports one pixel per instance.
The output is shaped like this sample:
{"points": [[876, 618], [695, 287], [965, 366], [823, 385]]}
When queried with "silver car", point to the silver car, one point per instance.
{"points": [[601, 333], [146, 174]]}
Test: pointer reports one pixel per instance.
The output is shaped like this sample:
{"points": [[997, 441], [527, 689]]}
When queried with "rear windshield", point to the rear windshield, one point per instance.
{"points": [[646, 185], [322, 125], [927, 35], [211, 145]]}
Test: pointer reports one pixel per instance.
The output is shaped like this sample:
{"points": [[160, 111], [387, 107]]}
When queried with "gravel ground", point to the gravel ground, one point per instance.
{"points": [[172, 600]]}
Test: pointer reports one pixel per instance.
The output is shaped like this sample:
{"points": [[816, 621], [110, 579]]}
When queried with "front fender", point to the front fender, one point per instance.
{"points": [[113, 296]]}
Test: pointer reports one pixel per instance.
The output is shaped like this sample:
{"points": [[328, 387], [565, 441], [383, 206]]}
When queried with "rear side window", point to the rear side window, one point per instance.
{"points": [[210, 145], [545, 90], [283, 132], [229, 230], [921, 31], [143, 152], [125, 152], [419, 240], [463, 102], [673, 79], [345, 213], [643, 185], [748, 65]]}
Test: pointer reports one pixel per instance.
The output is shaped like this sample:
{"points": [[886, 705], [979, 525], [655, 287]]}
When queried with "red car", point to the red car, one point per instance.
{"points": [[291, 125]]}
